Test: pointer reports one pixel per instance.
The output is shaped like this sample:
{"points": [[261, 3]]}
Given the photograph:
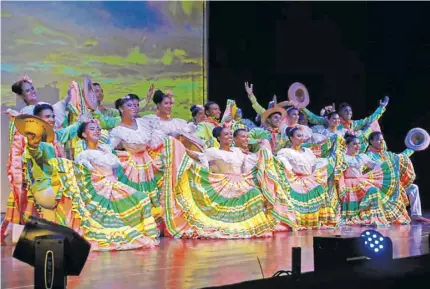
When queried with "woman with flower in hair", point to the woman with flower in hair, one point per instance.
{"points": [[307, 177], [162, 124], [132, 140], [25, 90], [368, 191]]}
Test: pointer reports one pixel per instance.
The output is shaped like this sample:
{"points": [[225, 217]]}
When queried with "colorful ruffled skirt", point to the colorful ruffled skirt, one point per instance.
{"points": [[372, 198], [109, 214], [200, 204], [310, 197]]}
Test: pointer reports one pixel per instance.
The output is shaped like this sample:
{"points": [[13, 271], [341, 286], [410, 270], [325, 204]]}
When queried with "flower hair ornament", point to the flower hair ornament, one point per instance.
{"points": [[25, 78], [170, 94], [126, 97]]}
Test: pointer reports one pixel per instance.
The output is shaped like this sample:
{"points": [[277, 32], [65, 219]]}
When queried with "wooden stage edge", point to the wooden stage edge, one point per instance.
{"points": [[202, 263]]}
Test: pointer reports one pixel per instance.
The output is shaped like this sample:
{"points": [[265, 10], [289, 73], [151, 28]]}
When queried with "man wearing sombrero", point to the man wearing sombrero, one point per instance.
{"points": [[271, 119]]}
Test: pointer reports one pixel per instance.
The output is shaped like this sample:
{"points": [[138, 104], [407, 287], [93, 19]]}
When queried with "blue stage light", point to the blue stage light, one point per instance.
{"points": [[375, 246]]}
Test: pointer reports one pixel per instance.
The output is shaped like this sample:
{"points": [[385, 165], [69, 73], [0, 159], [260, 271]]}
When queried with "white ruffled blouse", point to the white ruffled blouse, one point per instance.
{"points": [[222, 162], [130, 139], [301, 162], [357, 164], [101, 160], [161, 128]]}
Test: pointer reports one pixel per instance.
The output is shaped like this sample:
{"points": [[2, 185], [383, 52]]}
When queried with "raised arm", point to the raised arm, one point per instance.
{"points": [[66, 134], [359, 124], [407, 152], [106, 122], [255, 105], [60, 109], [144, 102], [313, 118]]}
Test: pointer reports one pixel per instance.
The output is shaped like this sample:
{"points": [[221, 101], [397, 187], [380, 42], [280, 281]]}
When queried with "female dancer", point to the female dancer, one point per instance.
{"points": [[308, 179], [369, 193], [132, 138]]}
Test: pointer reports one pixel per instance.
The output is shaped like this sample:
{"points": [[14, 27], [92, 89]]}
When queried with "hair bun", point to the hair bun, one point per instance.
{"points": [[193, 107], [158, 96]]}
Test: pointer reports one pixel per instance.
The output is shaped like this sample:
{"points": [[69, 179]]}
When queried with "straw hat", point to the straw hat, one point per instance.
{"points": [[271, 111], [417, 139], [89, 95], [26, 123], [299, 93]]}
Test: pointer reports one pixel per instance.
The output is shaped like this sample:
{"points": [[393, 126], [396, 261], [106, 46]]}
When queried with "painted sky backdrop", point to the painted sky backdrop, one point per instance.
{"points": [[125, 46]]}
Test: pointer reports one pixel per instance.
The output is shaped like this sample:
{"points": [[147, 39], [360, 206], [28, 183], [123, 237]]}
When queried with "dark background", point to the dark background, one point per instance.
{"points": [[356, 52]]}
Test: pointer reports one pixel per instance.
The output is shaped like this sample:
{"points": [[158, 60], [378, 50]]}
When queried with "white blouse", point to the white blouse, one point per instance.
{"points": [[222, 162], [250, 162], [357, 164], [302, 162], [130, 139], [161, 128], [101, 160]]}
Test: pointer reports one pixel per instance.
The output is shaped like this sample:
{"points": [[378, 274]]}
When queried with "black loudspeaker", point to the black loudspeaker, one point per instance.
{"points": [[47, 245], [296, 262], [49, 267], [332, 252]]}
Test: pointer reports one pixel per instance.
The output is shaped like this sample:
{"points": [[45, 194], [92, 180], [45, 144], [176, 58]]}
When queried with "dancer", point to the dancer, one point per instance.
{"points": [[213, 113], [107, 111], [132, 138], [369, 193], [345, 113], [308, 179], [379, 154]]}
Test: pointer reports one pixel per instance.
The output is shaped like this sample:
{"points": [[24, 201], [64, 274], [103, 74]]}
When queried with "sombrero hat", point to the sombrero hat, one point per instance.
{"points": [[271, 111], [26, 123], [89, 95], [417, 139], [299, 93]]}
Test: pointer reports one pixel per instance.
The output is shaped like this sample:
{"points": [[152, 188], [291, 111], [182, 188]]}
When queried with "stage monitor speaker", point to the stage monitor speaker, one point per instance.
{"points": [[331, 252], [76, 248]]}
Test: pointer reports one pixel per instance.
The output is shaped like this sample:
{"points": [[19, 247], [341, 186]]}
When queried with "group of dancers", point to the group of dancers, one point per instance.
{"points": [[123, 180]]}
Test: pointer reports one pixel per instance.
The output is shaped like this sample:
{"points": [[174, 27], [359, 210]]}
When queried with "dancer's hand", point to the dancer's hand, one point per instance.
{"points": [[150, 92], [384, 102], [69, 94], [11, 112], [249, 88]]}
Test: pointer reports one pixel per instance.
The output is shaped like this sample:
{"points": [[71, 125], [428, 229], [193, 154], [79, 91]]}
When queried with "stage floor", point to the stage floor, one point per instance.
{"points": [[201, 263]]}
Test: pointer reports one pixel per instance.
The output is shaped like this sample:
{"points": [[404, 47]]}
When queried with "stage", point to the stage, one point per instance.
{"points": [[203, 263]]}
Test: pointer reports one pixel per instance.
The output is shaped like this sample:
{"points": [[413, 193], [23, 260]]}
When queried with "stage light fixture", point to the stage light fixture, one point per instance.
{"points": [[375, 246], [53, 250]]}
